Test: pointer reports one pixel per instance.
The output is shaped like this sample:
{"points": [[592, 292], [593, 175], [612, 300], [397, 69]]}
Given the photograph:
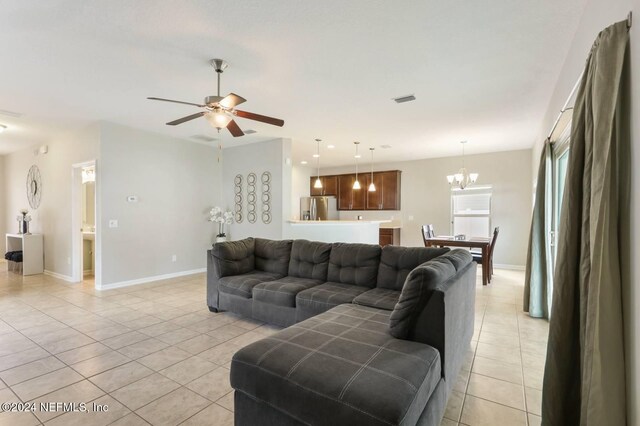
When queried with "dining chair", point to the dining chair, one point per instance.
{"points": [[427, 232], [477, 254]]}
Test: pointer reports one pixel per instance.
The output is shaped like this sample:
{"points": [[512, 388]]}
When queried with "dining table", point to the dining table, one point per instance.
{"points": [[482, 243]]}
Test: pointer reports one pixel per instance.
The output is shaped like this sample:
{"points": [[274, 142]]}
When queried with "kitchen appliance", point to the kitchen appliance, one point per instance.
{"points": [[318, 208]]}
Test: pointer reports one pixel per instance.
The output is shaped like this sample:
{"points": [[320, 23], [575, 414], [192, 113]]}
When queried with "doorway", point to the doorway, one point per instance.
{"points": [[85, 260]]}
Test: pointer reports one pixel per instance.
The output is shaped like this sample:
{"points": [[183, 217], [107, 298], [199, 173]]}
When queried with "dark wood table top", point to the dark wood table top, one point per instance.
{"points": [[446, 240]]}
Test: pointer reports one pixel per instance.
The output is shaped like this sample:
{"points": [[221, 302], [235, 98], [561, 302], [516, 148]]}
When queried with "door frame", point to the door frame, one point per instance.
{"points": [[77, 270]]}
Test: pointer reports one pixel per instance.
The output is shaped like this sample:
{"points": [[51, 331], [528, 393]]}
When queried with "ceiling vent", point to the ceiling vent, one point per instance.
{"points": [[249, 132], [203, 138], [10, 113], [385, 146], [402, 99]]}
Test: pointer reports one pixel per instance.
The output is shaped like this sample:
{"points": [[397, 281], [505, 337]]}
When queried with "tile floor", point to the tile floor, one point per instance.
{"points": [[154, 354]]}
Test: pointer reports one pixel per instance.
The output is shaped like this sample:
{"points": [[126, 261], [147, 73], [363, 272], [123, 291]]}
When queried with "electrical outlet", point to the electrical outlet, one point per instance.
{"points": [[113, 223], [174, 258], [410, 217]]}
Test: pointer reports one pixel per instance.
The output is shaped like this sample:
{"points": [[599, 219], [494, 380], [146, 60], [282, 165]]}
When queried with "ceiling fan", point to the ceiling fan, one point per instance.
{"points": [[221, 110]]}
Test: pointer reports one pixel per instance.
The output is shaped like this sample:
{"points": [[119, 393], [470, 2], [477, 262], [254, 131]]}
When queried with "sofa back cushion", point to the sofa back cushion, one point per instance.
{"points": [[233, 257], [396, 263], [273, 255], [355, 264], [420, 286], [309, 259]]}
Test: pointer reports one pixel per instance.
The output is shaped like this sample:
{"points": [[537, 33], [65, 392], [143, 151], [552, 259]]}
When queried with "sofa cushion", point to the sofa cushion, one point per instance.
{"points": [[420, 285], [242, 285], [273, 256], [325, 296], [355, 264], [381, 298], [396, 263], [233, 257], [282, 292], [309, 259], [340, 367]]}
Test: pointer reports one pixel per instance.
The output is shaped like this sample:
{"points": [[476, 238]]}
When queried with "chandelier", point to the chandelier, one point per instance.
{"points": [[463, 178]]}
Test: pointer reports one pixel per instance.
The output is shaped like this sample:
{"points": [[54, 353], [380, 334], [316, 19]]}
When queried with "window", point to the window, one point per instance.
{"points": [[471, 212], [560, 161]]}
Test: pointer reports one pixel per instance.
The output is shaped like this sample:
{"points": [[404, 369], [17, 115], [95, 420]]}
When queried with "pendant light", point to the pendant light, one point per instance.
{"points": [[463, 178], [372, 186], [356, 184], [318, 182]]}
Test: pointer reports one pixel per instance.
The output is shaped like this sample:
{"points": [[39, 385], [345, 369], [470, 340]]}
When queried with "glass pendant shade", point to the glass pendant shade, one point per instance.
{"points": [[317, 184], [372, 187], [356, 184], [463, 178], [219, 120]]}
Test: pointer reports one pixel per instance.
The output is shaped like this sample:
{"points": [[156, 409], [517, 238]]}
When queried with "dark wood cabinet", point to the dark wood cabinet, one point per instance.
{"points": [[329, 186], [349, 198], [389, 237], [385, 197]]}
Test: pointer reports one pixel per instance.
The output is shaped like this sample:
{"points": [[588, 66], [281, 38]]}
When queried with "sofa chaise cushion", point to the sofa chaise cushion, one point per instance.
{"points": [[309, 259], [381, 298], [327, 295], [340, 367], [396, 263], [355, 264], [420, 285], [242, 285], [283, 291]]}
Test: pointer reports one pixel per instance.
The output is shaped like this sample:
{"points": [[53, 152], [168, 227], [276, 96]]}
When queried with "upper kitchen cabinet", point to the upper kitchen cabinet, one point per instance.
{"points": [[329, 186], [387, 193], [349, 198]]}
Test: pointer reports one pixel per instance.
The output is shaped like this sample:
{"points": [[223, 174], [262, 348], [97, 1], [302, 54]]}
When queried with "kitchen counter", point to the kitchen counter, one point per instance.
{"points": [[331, 231]]}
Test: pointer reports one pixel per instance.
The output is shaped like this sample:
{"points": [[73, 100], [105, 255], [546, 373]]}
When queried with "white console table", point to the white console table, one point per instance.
{"points": [[32, 251]]}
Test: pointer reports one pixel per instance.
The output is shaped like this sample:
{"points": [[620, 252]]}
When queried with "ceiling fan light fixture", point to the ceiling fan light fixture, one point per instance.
{"points": [[219, 120], [2, 128]]}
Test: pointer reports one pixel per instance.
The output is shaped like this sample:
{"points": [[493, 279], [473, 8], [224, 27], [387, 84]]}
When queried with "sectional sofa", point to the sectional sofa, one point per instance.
{"points": [[375, 336]]}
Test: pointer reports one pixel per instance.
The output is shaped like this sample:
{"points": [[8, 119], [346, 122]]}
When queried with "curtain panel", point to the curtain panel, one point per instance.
{"points": [[539, 270], [584, 379]]}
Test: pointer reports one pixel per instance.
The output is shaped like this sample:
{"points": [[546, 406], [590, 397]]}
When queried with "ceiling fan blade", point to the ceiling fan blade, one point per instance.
{"points": [[231, 100], [235, 129], [175, 102], [185, 119], [258, 117]]}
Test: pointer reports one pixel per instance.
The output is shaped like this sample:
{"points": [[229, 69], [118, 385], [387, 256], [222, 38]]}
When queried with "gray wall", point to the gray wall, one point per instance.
{"points": [[599, 14], [53, 217], [273, 156], [426, 196], [3, 206], [176, 182]]}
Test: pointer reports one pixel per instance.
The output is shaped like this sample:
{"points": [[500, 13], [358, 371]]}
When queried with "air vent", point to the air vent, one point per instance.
{"points": [[385, 146], [203, 138], [10, 113], [402, 99], [249, 132]]}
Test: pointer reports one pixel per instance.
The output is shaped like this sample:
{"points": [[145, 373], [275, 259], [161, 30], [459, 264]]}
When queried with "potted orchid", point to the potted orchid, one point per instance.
{"points": [[222, 218]]}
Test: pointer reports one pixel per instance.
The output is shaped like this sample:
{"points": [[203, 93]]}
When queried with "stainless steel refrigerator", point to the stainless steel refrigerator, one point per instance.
{"points": [[318, 208]]}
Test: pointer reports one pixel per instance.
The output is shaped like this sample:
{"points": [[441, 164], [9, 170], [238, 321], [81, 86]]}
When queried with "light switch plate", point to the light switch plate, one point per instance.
{"points": [[113, 223]]}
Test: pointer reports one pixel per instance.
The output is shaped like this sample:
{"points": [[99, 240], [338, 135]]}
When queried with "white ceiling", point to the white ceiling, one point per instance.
{"points": [[481, 71]]}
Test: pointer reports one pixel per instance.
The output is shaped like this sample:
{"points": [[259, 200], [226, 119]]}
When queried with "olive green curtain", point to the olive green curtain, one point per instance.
{"points": [[584, 378], [539, 273]]}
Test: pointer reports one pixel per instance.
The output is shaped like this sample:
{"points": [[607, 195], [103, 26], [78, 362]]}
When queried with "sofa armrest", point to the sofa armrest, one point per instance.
{"points": [[226, 259], [446, 322]]}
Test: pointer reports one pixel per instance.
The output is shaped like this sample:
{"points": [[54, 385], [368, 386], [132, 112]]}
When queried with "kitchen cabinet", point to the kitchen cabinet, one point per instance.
{"points": [[329, 186], [349, 198], [389, 237], [386, 197], [387, 193]]}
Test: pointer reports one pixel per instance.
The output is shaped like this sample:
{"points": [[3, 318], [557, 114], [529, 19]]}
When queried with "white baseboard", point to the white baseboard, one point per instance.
{"points": [[66, 278], [509, 267], [150, 279]]}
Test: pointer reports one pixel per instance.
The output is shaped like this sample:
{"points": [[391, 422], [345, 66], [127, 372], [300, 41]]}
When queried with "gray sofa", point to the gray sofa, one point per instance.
{"points": [[377, 336]]}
